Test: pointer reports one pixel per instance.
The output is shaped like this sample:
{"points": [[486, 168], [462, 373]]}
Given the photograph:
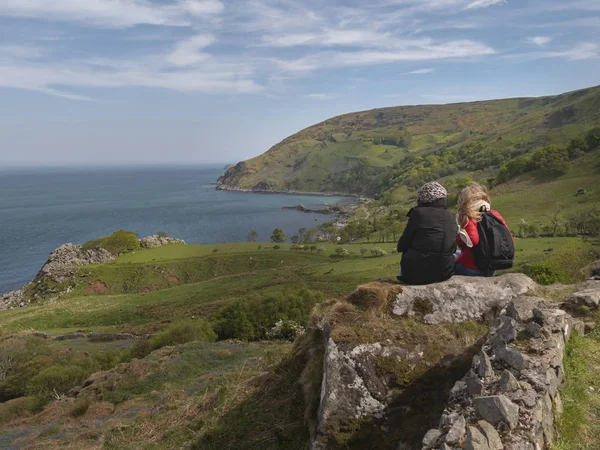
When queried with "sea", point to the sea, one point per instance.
{"points": [[41, 209]]}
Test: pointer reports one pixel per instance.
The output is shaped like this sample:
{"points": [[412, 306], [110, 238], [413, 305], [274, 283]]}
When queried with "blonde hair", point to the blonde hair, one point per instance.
{"points": [[469, 203]]}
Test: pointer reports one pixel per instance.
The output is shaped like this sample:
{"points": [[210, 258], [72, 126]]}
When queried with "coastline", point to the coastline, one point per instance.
{"points": [[222, 187]]}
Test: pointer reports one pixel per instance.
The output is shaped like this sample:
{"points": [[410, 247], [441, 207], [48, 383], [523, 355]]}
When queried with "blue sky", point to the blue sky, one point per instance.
{"points": [[185, 81]]}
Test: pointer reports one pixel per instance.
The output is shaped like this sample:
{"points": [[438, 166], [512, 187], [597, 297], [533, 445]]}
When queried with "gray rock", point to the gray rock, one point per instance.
{"points": [[461, 298], [512, 357], [457, 431], [474, 384], [534, 329], [458, 389], [508, 382], [505, 328], [485, 369], [587, 297], [496, 409], [492, 436], [521, 308], [476, 440], [158, 241], [431, 438]]}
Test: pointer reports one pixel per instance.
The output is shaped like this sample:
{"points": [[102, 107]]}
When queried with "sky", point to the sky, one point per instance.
{"points": [[102, 82]]}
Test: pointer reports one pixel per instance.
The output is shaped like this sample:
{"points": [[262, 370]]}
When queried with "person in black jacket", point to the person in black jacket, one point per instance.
{"points": [[428, 243]]}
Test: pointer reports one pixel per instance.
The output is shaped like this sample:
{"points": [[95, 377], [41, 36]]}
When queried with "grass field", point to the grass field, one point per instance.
{"points": [[226, 394]]}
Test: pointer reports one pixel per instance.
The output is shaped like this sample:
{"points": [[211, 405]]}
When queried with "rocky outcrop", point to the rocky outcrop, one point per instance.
{"points": [[158, 241], [384, 374], [460, 298], [476, 378], [55, 278], [68, 255], [509, 398]]}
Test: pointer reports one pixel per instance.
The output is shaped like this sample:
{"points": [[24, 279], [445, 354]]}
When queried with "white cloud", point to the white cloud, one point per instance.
{"points": [[431, 51], [189, 51], [582, 51], [477, 4], [320, 96], [420, 71], [539, 40], [112, 13]]}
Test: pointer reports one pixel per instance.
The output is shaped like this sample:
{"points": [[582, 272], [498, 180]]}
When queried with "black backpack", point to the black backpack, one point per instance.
{"points": [[496, 249]]}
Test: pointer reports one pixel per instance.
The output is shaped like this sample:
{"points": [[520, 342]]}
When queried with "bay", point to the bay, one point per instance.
{"points": [[40, 209]]}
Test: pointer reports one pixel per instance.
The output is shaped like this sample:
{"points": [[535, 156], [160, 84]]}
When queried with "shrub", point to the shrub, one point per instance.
{"points": [[215, 250], [254, 318], [17, 408], [162, 234], [567, 265], [80, 407], [54, 382], [176, 334], [341, 252], [363, 252], [285, 330], [313, 248], [321, 249], [119, 242], [378, 252], [11, 354], [276, 247]]}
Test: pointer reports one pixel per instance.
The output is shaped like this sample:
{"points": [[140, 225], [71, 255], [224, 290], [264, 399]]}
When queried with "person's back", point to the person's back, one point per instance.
{"points": [[429, 240], [473, 203]]}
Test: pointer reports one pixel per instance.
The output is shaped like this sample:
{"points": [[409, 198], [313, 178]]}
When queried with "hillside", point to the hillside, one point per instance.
{"points": [[392, 149]]}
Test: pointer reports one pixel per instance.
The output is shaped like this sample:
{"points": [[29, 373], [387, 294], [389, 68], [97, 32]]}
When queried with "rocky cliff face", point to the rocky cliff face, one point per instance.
{"points": [[475, 361], [55, 276]]}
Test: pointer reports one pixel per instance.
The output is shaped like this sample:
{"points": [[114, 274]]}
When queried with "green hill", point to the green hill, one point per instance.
{"points": [[396, 149]]}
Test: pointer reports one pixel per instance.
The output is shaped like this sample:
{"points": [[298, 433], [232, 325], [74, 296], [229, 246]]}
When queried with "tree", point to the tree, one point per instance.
{"points": [[278, 235], [162, 234], [363, 252], [252, 236], [593, 139], [295, 239], [301, 235]]}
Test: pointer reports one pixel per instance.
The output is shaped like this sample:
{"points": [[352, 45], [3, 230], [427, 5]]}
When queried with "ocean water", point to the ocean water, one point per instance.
{"points": [[40, 209]]}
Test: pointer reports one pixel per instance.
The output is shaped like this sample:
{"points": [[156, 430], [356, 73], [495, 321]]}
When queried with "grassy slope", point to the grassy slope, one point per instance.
{"points": [[306, 160], [222, 395]]}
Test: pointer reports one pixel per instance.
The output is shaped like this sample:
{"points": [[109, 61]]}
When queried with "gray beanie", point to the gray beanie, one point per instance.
{"points": [[430, 192]]}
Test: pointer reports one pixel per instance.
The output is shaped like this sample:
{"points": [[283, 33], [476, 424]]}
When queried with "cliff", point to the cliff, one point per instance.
{"points": [[355, 153]]}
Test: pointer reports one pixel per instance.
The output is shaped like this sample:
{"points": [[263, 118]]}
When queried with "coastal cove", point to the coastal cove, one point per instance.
{"points": [[41, 209]]}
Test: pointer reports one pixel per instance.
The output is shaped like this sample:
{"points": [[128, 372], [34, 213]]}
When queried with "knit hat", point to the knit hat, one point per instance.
{"points": [[430, 192]]}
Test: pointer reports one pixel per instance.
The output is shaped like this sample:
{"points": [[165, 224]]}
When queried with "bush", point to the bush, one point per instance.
{"points": [[56, 381], [162, 234], [566, 266], [119, 242], [341, 252], [285, 330], [254, 318], [176, 334], [363, 251], [215, 250], [80, 407], [16, 409], [12, 352], [276, 247], [321, 249], [378, 252]]}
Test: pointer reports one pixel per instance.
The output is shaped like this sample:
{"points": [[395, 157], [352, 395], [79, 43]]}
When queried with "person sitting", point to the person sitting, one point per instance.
{"points": [[473, 203], [429, 239]]}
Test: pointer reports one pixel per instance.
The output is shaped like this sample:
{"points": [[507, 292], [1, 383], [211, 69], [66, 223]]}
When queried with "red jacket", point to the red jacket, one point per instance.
{"points": [[466, 258]]}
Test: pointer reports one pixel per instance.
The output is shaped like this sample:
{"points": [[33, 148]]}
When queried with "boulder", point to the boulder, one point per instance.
{"points": [[460, 298], [476, 440], [156, 241], [492, 436], [496, 409]]}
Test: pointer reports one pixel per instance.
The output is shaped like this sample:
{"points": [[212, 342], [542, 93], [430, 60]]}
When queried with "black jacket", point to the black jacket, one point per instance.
{"points": [[428, 245]]}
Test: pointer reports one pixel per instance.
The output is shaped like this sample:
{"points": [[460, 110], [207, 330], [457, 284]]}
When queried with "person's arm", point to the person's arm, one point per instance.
{"points": [[409, 233], [471, 229]]}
